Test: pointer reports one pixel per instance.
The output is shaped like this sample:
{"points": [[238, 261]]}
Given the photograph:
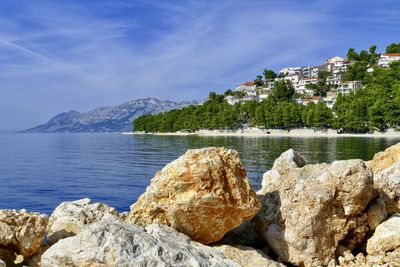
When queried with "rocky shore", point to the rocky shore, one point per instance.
{"points": [[200, 210]]}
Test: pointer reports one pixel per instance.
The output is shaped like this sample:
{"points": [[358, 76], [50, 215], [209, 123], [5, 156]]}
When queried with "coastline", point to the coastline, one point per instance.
{"points": [[255, 132]]}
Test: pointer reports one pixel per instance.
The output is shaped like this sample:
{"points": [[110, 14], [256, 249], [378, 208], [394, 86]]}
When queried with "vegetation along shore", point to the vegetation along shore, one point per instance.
{"points": [[359, 94]]}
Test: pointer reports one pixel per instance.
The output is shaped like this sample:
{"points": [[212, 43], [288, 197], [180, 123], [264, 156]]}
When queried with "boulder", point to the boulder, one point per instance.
{"points": [[385, 159], [248, 256], [2, 263], [22, 231], [69, 218], [203, 194], [112, 242], [386, 236], [309, 209], [386, 168], [387, 181]]}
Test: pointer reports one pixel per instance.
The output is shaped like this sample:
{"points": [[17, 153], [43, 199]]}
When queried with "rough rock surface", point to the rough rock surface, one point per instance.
{"points": [[111, 242], [386, 168], [389, 259], [309, 209], [386, 236], [22, 231], [248, 256], [69, 218], [385, 159], [204, 194]]}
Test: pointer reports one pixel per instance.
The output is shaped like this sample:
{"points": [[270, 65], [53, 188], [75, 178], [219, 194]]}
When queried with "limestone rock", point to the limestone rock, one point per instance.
{"points": [[389, 259], [111, 242], [387, 182], [386, 236], [386, 168], [69, 218], [385, 159], [310, 208], [289, 159], [2, 263], [248, 256], [22, 231], [204, 194]]}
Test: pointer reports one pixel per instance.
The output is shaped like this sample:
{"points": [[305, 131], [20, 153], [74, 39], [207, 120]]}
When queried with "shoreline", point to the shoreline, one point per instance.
{"points": [[254, 132]]}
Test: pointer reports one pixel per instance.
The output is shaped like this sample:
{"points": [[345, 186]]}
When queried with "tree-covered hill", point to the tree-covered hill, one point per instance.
{"points": [[376, 107]]}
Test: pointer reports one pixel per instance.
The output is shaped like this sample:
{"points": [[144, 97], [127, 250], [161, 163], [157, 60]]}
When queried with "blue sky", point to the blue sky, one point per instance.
{"points": [[81, 54]]}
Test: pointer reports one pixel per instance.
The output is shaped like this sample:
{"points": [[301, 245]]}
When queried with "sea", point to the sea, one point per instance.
{"points": [[39, 171]]}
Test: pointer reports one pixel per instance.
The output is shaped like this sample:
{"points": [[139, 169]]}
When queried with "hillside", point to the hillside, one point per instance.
{"points": [[105, 119]]}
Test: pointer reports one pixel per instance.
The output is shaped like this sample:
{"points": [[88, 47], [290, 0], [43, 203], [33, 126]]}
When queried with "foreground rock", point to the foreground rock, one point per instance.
{"points": [[386, 236], [248, 256], [204, 194], [309, 209], [385, 159], [386, 168], [70, 218], [111, 242], [2, 263], [22, 231]]}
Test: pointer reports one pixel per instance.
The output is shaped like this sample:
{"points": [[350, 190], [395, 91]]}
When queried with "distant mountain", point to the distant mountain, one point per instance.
{"points": [[106, 119]]}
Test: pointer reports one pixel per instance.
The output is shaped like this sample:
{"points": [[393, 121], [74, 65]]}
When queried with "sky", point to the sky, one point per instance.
{"points": [[58, 55]]}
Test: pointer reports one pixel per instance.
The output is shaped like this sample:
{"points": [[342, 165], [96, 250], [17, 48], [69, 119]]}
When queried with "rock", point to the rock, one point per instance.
{"points": [[387, 182], [289, 159], [248, 256], [383, 259], [386, 236], [22, 231], [385, 159], [69, 218], [204, 194], [386, 168], [111, 242], [309, 209], [2, 263]]}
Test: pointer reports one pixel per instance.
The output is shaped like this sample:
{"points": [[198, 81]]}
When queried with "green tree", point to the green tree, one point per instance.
{"points": [[352, 55], [364, 56], [259, 80], [393, 48], [269, 74], [283, 91], [356, 71]]}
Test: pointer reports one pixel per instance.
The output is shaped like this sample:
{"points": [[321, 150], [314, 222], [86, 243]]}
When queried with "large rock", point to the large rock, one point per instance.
{"points": [[309, 209], [204, 194], [2, 263], [386, 168], [386, 236], [70, 218], [385, 159], [22, 231], [248, 256], [111, 242]]}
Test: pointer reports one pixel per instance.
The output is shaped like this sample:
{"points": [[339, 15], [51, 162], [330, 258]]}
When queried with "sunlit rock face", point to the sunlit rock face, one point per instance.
{"points": [[309, 209], [204, 194], [22, 231], [71, 217], [112, 242]]}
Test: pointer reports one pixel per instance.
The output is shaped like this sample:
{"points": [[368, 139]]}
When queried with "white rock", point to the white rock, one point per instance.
{"points": [[386, 236], [111, 242], [70, 218]]}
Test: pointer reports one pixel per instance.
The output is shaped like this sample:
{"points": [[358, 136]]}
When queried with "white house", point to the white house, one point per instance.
{"points": [[246, 87], [232, 100], [302, 85], [385, 59], [330, 99], [333, 60], [346, 88]]}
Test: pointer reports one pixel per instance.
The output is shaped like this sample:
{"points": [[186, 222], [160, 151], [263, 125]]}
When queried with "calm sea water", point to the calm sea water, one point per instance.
{"points": [[38, 171]]}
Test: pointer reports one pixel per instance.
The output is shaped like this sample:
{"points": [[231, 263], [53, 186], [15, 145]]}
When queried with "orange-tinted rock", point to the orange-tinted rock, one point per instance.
{"points": [[385, 159], [203, 194]]}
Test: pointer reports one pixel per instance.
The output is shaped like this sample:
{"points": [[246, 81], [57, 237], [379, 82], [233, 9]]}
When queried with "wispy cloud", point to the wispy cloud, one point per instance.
{"points": [[57, 56]]}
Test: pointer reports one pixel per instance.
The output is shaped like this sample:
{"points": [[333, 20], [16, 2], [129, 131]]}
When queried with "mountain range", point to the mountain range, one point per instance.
{"points": [[106, 119]]}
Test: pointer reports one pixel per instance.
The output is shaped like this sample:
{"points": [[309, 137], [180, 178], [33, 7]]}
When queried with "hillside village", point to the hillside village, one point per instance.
{"points": [[303, 79]]}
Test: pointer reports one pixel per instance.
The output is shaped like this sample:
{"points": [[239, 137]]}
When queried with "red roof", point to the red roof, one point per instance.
{"points": [[249, 83], [392, 55], [309, 79]]}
